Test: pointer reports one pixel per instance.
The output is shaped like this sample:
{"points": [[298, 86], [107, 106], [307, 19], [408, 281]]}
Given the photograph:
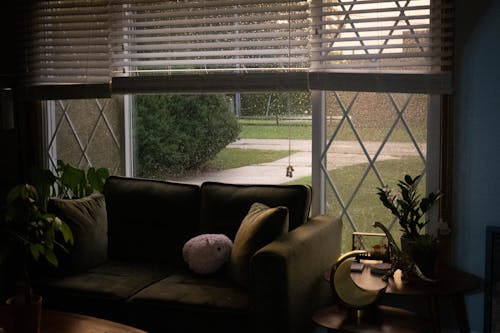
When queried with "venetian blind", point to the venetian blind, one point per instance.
{"points": [[152, 37], [381, 35], [91, 41], [68, 42]]}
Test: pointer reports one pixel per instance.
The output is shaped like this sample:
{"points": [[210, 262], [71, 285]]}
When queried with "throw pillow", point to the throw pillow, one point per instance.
{"points": [[87, 219], [261, 226], [206, 253]]}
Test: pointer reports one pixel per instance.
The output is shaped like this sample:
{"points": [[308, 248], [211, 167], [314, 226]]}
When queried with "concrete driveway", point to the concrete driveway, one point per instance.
{"points": [[341, 154]]}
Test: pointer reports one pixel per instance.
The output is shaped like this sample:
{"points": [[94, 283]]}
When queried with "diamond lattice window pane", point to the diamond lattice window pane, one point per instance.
{"points": [[86, 133], [374, 140]]}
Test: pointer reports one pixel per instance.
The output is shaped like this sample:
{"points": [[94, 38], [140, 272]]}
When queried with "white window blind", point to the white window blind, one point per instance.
{"points": [[381, 35], [68, 42], [91, 41], [149, 37]]}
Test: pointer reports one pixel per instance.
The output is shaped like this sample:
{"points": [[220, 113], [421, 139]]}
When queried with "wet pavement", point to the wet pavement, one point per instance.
{"points": [[341, 154]]}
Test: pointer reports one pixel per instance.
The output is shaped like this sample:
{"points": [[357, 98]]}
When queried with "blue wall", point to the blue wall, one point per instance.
{"points": [[477, 138]]}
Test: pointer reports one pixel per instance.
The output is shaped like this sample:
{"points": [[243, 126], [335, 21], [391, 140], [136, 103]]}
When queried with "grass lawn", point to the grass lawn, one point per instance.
{"points": [[267, 129], [399, 134], [273, 121], [366, 208], [229, 158], [272, 131]]}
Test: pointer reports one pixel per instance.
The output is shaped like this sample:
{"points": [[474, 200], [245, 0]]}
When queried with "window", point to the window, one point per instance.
{"points": [[375, 71], [85, 132], [236, 137], [381, 35], [384, 64], [374, 139]]}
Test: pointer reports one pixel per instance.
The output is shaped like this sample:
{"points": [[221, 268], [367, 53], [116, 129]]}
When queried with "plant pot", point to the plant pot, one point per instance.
{"points": [[406, 244], [425, 258], [425, 252], [25, 318], [426, 262]]}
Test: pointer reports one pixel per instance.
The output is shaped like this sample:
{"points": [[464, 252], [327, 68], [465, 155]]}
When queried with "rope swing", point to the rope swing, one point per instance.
{"points": [[289, 168]]}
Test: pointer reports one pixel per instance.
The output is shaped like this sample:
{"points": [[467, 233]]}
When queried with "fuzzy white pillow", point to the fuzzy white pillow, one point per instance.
{"points": [[206, 253]]}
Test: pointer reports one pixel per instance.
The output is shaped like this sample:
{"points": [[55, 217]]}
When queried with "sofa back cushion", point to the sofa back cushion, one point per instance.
{"points": [[261, 226], [86, 217], [150, 219], [224, 206]]}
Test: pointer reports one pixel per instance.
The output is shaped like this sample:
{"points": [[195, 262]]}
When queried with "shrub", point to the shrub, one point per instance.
{"points": [[179, 133], [275, 104]]}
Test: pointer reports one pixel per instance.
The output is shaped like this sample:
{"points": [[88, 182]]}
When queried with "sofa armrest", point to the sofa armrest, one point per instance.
{"points": [[288, 275]]}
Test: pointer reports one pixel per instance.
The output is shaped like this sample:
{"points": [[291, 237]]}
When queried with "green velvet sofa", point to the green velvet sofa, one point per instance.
{"points": [[127, 261]]}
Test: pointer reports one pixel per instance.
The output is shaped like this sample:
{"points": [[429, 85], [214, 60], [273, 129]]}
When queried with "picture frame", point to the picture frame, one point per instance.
{"points": [[376, 244]]}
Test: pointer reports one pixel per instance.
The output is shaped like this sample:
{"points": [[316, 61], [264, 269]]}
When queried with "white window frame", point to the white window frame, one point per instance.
{"points": [[435, 85], [318, 80]]}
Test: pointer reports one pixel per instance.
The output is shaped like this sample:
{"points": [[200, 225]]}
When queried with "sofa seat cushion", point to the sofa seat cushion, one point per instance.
{"points": [[186, 289], [189, 302], [112, 280], [224, 206]]}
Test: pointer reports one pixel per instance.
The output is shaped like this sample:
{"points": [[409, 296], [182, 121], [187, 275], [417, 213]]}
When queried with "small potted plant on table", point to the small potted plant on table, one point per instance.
{"points": [[410, 208]]}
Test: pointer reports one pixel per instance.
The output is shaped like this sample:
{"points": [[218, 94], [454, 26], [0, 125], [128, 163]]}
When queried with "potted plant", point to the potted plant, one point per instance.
{"points": [[409, 207], [29, 228], [28, 232], [69, 182], [75, 195]]}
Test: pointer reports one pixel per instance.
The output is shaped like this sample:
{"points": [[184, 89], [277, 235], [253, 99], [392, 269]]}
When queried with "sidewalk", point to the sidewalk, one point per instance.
{"points": [[344, 153]]}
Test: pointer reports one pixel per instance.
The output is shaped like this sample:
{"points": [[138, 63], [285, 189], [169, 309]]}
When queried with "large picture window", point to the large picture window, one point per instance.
{"points": [[350, 88]]}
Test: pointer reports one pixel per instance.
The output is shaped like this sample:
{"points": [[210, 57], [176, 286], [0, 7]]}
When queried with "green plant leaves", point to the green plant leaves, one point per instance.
{"points": [[67, 234], [29, 226], [36, 249], [408, 206], [43, 180], [76, 183], [51, 257], [72, 181], [22, 192], [97, 178]]}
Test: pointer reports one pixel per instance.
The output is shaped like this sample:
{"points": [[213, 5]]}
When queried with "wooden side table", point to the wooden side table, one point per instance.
{"points": [[452, 284], [388, 320]]}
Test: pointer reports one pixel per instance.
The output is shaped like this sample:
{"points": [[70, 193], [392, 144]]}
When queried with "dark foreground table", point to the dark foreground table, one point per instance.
{"points": [[65, 322]]}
